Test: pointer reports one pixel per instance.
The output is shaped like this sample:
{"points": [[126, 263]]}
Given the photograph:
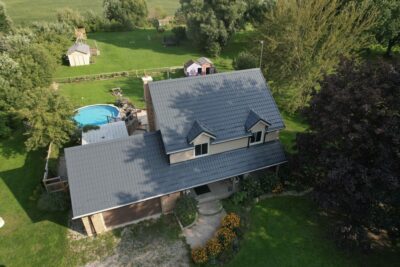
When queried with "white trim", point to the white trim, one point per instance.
{"points": [[206, 134], [179, 190], [261, 138], [259, 121], [202, 155]]}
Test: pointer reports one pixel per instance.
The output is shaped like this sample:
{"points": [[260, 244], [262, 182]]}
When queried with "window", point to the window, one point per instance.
{"points": [[201, 149], [256, 137]]}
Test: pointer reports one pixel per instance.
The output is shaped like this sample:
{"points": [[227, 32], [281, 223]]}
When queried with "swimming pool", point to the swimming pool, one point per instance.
{"points": [[95, 114]]}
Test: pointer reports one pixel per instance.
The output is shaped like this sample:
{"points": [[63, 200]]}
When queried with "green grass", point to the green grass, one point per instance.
{"points": [[25, 11], [143, 49], [98, 92], [287, 231]]}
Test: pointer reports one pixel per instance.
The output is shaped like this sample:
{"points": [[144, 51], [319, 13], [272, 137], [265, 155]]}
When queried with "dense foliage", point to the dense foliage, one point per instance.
{"points": [[351, 152], [210, 24], [245, 60], [388, 30], [186, 209], [305, 39], [129, 13], [27, 61], [5, 21]]}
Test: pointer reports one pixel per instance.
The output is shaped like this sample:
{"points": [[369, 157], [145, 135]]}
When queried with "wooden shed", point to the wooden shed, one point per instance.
{"points": [[79, 55]]}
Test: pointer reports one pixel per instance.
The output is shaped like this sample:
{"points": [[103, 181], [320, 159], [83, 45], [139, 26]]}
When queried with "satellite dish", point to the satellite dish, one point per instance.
{"points": [[1, 222]]}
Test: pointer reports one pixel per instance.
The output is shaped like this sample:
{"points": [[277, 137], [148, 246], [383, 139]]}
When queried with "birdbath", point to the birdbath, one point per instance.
{"points": [[1, 222]]}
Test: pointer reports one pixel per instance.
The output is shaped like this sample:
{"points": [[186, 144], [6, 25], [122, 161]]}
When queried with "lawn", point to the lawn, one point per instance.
{"points": [[288, 231], [23, 11], [143, 49], [98, 92]]}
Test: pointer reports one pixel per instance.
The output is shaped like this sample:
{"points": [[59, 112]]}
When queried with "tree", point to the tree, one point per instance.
{"points": [[69, 16], [245, 60], [6, 23], [210, 24], [388, 30], [49, 118], [351, 152], [305, 39], [129, 13]]}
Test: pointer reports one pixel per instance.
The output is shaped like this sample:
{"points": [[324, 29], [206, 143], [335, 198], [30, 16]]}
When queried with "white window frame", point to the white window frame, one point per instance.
{"points": [[256, 142], [201, 155]]}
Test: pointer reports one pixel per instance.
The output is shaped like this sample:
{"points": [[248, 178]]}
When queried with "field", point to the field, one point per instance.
{"points": [[25, 11], [143, 49]]}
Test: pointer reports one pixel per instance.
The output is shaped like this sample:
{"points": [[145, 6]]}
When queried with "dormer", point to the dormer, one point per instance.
{"points": [[257, 126], [200, 136]]}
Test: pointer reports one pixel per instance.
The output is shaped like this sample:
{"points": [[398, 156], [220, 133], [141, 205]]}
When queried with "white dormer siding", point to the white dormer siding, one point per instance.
{"points": [[258, 127]]}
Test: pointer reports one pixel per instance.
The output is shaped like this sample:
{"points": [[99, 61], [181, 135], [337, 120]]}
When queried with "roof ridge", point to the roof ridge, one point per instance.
{"points": [[206, 76]]}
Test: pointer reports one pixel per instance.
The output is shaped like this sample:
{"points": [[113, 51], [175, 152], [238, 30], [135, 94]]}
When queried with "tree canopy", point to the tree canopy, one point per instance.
{"points": [[210, 24], [6, 23], [305, 39], [129, 13], [351, 152]]}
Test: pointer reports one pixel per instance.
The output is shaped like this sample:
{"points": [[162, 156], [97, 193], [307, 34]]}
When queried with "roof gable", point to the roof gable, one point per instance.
{"points": [[252, 119], [197, 129], [222, 101], [78, 47]]}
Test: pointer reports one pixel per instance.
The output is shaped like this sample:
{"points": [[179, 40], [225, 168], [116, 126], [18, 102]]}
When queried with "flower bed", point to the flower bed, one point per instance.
{"points": [[222, 245]]}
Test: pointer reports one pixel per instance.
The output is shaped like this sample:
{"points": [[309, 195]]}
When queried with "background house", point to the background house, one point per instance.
{"points": [[201, 66]]}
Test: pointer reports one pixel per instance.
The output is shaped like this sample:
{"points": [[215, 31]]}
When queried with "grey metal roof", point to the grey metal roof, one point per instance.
{"points": [[105, 132], [79, 47], [222, 101], [197, 129], [252, 120], [119, 172], [204, 60]]}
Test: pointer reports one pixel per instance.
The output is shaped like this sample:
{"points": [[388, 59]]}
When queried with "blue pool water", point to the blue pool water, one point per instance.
{"points": [[95, 115]]}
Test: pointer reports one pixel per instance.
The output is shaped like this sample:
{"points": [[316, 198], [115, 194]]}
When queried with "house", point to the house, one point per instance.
{"points": [[79, 55], [201, 66], [203, 132]]}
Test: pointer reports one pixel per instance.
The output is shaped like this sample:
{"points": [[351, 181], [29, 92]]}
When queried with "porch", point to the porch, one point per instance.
{"points": [[215, 191]]}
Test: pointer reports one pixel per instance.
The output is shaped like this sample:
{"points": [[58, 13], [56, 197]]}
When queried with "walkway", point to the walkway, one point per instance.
{"points": [[210, 216]]}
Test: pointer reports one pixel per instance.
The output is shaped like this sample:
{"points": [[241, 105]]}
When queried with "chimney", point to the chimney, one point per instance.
{"points": [[149, 103]]}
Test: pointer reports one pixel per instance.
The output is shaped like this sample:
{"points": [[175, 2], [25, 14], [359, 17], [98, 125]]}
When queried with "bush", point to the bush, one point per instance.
{"points": [[231, 221], [269, 182], [214, 248], [179, 32], [245, 60], [226, 236], [199, 255], [186, 209], [239, 198], [213, 49], [251, 185], [57, 201]]}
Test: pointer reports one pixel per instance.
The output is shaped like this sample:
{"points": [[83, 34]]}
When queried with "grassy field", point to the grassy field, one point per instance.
{"points": [[287, 231], [25, 11], [143, 49]]}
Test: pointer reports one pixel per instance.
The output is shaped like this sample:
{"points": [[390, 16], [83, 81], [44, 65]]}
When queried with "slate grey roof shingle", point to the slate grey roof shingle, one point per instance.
{"points": [[252, 120], [222, 101], [119, 172], [197, 129], [79, 47]]}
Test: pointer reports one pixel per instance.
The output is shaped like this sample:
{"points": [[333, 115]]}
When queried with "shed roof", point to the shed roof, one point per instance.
{"points": [[204, 60], [79, 47], [105, 132], [222, 101], [120, 172]]}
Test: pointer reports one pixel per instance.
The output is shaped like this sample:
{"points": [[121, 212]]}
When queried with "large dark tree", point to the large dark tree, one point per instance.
{"points": [[129, 13], [351, 152]]}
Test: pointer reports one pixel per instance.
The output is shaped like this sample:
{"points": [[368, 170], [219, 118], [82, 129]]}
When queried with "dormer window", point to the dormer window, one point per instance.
{"points": [[201, 149], [255, 138]]}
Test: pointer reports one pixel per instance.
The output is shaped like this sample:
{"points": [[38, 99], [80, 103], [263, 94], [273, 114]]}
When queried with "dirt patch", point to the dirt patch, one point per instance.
{"points": [[152, 251]]}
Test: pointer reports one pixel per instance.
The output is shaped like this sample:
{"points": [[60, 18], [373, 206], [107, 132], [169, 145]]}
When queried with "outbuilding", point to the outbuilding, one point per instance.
{"points": [[79, 55]]}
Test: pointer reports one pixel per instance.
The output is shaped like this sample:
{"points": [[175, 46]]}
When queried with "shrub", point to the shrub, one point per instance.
{"points": [[199, 255], [186, 209], [231, 221], [239, 197], [179, 32], [251, 185], [214, 248], [269, 182], [226, 236], [245, 60], [213, 49]]}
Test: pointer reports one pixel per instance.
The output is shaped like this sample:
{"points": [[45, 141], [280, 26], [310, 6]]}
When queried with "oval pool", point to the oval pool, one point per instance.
{"points": [[95, 114]]}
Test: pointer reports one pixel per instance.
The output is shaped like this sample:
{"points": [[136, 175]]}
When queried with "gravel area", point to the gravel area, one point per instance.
{"points": [[145, 252]]}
